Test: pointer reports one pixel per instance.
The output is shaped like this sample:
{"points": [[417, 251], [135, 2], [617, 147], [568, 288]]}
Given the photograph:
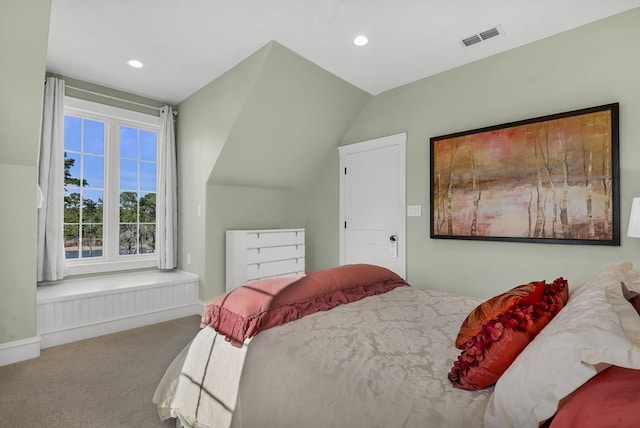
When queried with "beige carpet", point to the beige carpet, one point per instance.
{"points": [[106, 381]]}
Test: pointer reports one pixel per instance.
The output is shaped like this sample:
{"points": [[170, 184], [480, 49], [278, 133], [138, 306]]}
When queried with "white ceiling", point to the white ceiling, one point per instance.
{"points": [[185, 44]]}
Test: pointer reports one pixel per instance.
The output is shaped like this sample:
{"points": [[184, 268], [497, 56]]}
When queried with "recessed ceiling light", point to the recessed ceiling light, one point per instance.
{"points": [[135, 63], [360, 41]]}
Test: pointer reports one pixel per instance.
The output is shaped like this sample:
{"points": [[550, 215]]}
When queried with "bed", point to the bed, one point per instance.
{"points": [[385, 356]]}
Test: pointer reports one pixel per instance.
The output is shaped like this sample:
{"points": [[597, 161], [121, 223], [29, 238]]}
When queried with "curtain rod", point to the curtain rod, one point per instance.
{"points": [[175, 113]]}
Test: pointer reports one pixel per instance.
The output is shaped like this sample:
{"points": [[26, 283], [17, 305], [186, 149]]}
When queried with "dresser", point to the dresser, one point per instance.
{"points": [[253, 255]]}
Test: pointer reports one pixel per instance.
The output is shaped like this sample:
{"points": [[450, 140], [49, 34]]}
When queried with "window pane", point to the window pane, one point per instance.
{"points": [[147, 238], [128, 207], [93, 136], [91, 240], [128, 239], [86, 169], [93, 169], [148, 208], [148, 176], [71, 170], [128, 175], [71, 237], [128, 142], [72, 127], [71, 207], [92, 206], [148, 145]]}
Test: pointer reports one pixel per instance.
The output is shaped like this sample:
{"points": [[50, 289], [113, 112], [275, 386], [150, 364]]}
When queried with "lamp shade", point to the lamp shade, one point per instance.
{"points": [[634, 219]]}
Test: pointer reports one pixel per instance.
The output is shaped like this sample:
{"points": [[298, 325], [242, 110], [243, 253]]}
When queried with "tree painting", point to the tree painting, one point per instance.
{"points": [[551, 179]]}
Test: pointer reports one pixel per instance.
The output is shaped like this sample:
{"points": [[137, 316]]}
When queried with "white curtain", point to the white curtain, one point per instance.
{"points": [[167, 202], [50, 245]]}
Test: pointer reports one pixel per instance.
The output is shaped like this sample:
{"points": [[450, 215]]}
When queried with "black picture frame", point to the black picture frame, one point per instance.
{"points": [[552, 179]]}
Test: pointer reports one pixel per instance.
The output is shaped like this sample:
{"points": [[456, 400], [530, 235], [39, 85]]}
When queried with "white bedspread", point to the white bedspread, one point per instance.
{"points": [[378, 362]]}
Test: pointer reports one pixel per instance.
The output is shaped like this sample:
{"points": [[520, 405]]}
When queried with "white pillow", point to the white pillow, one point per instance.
{"points": [[597, 328], [607, 276]]}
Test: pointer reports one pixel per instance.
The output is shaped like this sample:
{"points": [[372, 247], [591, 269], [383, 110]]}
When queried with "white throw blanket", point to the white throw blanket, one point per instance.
{"points": [[202, 382]]}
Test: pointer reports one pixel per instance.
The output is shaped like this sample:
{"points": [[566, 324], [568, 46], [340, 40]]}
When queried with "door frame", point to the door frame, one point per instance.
{"points": [[400, 141]]}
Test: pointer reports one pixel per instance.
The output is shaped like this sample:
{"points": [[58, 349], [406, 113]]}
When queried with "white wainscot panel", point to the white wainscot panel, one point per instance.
{"points": [[81, 308]]}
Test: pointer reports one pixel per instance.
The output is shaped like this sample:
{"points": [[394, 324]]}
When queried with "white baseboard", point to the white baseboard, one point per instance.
{"points": [[19, 350]]}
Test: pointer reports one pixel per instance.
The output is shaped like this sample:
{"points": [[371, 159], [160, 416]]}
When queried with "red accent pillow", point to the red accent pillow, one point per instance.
{"points": [[609, 399], [501, 340], [556, 295], [257, 306], [487, 355], [495, 306]]}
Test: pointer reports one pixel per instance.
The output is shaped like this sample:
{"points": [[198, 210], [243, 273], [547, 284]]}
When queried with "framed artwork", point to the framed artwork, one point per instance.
{"points": [[552, 179]]}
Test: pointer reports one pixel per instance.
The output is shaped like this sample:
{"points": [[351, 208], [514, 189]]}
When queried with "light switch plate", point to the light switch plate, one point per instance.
{"points": [[414, 210]]}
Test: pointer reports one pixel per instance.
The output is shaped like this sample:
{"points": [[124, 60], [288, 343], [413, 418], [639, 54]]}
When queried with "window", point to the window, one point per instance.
{"points": [[109, 188]]}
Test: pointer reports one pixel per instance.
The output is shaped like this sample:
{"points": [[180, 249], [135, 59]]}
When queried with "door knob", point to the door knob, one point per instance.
{"points": [[393, 246]]}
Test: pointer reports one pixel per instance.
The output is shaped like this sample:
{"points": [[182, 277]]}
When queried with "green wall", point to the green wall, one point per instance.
{"points": [[250, 145], [319, 200], [258, 148], [204, 122], [589, 66], [24, 27], [241, 207]]}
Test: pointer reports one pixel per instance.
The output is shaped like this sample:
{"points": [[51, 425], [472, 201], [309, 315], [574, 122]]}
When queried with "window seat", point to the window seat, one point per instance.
{"points": [[80, 308]]}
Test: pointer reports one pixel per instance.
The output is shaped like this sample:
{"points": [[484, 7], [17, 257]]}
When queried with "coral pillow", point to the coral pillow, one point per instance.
{"points": [[495, 306], [491, 352], [609, 399], [245, 311], [487, 355]]}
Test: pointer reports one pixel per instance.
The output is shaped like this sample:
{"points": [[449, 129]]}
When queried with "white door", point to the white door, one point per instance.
{"points": [[372, 203]]}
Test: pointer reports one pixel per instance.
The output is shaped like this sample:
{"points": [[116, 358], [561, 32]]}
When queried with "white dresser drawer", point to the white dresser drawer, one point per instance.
{"points": [[270, 254], [263, 253], [272, 239], [257, 271]]}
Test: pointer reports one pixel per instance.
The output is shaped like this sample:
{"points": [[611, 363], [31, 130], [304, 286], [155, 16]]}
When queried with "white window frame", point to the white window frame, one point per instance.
{"points": [[113, 117]]}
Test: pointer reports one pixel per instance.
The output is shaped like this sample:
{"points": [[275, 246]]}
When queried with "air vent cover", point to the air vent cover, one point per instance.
{"points": [[489, 33], [472, 40], [482, 36]]}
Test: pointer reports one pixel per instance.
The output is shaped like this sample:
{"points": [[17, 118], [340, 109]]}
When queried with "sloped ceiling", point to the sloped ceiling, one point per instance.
{"points": [[187, 43], [295, 114]]}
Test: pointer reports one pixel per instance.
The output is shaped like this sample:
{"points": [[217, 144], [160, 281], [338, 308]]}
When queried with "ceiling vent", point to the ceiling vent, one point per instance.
{"points": [[482, 36]]}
